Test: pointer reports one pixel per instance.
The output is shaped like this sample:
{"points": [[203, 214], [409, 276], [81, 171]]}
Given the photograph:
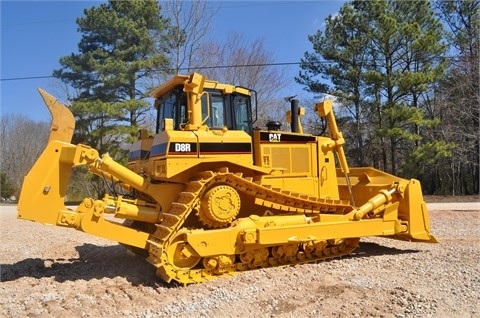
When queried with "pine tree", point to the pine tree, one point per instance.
{"points": [[339, 58], [120, 49], [383, 56]]}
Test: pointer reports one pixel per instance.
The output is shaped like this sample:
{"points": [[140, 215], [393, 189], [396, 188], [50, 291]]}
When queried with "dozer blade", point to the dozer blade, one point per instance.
{"points": [[414, 210], [410, 208], [63, 122]]}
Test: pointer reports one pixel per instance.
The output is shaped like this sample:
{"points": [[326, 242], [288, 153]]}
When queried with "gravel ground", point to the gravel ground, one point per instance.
{"points": [[56, 272]]}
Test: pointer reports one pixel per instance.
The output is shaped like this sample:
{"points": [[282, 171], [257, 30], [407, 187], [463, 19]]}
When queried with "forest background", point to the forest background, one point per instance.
{"points": [[404, 76]]}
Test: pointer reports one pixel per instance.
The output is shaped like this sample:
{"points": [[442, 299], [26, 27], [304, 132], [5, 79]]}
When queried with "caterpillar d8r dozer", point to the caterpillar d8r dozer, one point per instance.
{"points": [[208, 195]]}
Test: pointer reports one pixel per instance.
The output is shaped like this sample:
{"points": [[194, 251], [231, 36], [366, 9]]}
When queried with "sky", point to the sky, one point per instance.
{"points": [[36, 34]]}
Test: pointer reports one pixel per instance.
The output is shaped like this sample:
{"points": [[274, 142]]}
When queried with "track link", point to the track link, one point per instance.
{"points": [[167, 239]]}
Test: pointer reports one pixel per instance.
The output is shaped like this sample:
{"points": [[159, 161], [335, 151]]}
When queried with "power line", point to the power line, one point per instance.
{"points": [[182, 69], [24, 78], [196, 68]]}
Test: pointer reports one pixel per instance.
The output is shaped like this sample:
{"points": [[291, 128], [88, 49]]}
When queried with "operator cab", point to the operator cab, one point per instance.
{"points": [[222, 106]]}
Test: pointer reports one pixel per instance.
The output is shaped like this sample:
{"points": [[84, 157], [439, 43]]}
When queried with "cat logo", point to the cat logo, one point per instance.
{"points": [[179, 147], [274, 137]]}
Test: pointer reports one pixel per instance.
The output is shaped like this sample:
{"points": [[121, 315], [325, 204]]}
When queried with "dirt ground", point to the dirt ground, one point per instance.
{"points": [[53, 272]]}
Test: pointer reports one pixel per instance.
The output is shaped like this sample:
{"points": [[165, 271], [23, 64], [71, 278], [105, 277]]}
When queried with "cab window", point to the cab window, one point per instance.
{"points": [[215, 111], [217, 115], [172, 105], [241, 111]]}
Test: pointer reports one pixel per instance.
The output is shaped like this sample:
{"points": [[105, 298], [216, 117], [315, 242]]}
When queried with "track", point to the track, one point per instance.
{"points": [[176, 260]]}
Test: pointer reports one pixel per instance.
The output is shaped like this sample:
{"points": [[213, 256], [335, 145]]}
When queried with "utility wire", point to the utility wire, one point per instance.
{"points": [[24, 78], [183, 69], [196, 68]]}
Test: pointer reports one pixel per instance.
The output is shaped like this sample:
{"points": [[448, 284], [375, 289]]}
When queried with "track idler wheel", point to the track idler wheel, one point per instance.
{"points": [[181, 255], [219, 206]]}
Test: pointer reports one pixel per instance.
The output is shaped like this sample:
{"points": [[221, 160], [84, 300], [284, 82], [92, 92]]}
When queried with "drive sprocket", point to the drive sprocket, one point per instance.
{"points": [[219, 206]]}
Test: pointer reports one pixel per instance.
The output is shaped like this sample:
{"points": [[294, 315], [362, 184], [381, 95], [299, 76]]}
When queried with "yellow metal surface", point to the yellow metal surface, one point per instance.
{"points": [[45, 186], [63, 122], [208, 202], [220, 206], [94, 222], [196, 79]]}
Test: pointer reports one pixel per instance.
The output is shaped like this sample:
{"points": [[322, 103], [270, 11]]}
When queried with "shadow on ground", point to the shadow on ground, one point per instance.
{"points": [[97, 262], [367, 249], [94, 262]]}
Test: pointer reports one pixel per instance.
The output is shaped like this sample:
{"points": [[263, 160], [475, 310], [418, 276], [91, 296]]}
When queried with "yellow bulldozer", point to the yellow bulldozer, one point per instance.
{"points": [[209, 195]]}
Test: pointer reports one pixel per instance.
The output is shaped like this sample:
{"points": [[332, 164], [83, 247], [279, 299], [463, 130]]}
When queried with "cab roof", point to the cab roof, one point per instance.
{"points": [[209, 84]]}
